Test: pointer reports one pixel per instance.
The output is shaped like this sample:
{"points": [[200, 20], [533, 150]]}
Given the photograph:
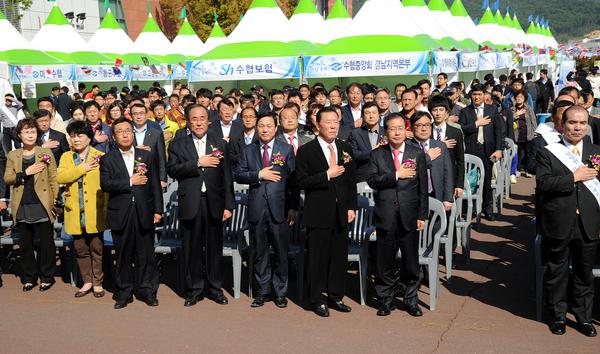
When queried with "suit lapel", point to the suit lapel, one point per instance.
{"points": [[190, 146], [319, 152], [387, 157], [147, 136], [257, 155]]}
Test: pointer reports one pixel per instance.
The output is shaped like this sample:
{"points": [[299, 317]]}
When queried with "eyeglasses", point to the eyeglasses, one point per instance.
{"points": [[138, 113], [123, 132], [396, 129], [421, 126]]}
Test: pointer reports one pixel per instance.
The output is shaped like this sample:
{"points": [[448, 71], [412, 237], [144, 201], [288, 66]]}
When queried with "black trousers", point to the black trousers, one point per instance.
{"points": [[203, 252], [327, 263], [45, 265], [135, 245], [387, 246], [487, 180], [582, 254], [263, 234], [527, 156]]}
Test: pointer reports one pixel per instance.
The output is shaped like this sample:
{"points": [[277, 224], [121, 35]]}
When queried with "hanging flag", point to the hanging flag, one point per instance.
{"points": [[496, 6], [145, 61], [169, 69], [116, 70], [118, 62], [154, 69], [530, 18], [476, 21], [215, 16], [183, 13]]}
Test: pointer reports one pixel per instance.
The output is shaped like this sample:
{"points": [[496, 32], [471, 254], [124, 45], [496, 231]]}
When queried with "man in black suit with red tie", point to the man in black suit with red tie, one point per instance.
{"points": [[131, 179], [268, 166], [325, 170], [398, 174], [569, 220], [200, 164], [482, 128]]}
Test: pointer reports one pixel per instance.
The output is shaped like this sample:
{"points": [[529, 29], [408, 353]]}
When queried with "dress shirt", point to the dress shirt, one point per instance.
{"points": [[248, 138], [356, 113], [45, 137], [200, 145], [400, 155], [373, 137], [442, 131], [226, 128], [269, 150], [294, 139], [579, 148], [325, 149], [140, 134]]}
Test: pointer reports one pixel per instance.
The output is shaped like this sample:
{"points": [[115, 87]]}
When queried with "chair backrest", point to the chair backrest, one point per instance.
{"points": [[363, 221], [362, 188], [435, 227], [233, 227], [241, 188], [171, 219], [474, 162], [511, 148]]}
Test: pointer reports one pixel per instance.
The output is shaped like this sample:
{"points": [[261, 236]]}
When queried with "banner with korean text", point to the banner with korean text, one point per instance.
{"points": [[372, 64], [468, 62], [487, 61], [243, 69], [42, 73], [102, 73], [445, 62]]}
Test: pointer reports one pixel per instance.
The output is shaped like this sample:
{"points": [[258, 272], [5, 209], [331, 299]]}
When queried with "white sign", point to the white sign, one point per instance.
{"points": [[468, 62], [445, 62], [504, 60], [102, 73], [487, 61], [243, 69], [149, 73], [374, 64], [42, 73]]}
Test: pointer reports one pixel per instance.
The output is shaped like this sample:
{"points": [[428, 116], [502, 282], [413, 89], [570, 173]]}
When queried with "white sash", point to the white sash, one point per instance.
{"points": [[11, 117], [550, 135], [571, 162]]}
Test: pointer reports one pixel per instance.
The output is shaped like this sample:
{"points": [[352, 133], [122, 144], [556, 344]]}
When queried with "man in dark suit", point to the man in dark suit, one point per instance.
{"points": [[226, 128], [49, 138], [325, 170], [249, 135], [398, 172], [440, 174], [366, 138], [288, 131], [150, 139], [482, 127], [439, 107], [546, 92], [569, 221], [268, 166], [130, 177], [63, 103], [199, 161], [351, 113]]}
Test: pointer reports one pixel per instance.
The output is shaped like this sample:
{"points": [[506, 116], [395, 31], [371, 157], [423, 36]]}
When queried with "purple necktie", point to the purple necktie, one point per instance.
{"points": [[266, 161]]}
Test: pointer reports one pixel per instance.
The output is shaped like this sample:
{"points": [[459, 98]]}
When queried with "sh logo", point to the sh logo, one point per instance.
{"points": [[226, 69]]}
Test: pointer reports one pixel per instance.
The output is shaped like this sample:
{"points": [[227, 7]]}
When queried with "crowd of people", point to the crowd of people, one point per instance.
{"points": [[103, 160]]}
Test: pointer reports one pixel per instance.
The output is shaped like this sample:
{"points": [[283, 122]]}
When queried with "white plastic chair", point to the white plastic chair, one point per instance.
{"points": [[474, 162], [429, 246], [463, 225], [358, 242], [447, 239], [233, 232], [510, 151], [498, 184]]}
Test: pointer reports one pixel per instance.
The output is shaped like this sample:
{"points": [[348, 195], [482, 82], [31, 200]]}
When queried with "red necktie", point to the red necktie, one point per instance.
{"points": [[266, 156], [396, 161], [291, 137]]}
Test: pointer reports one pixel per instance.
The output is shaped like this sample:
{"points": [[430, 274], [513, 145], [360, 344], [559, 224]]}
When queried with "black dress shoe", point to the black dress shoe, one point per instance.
{"points": [[121, 304], [321, 310], [414, 310], [80, 293], [192, 300], [152, 302], [219, 299], [339, 305], [46, 287], [281, 302], [259, 301], [558, 327], [587, 328], [489, 216], [385, 310], [28, 287]]}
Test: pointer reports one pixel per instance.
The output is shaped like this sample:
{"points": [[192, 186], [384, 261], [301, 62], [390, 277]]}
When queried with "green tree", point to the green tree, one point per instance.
{"points": [[17, 7]]}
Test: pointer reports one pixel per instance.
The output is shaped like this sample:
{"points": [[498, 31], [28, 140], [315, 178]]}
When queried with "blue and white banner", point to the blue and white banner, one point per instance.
{"points": [[543, 59], [42, 73], [178, 71], [149, 73], [504, 60], [102, 73], [375, 64], [445, 62], [530, 60], [468, 62], [243, 69], [487, 61]]}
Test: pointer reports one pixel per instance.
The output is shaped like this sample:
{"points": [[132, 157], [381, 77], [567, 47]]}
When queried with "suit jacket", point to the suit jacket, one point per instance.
{"points": [[107, 145], [300, 135], [361, 150], [155, 139], [347, 117], [457, 155], [408, 197], [442, 172], [63, 143], [2, 169], [95, 200], [327, 201], [546, 92], [115, 180], [492, 133], [45, 184], [183, 166], [237, 129], [559, 198], [63, 102], [276, 198], [237, 144]]}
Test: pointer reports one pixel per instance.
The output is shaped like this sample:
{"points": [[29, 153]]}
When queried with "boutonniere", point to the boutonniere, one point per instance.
{"points": [[140, 167], [45, 158], [278, 159], [97, 158], [595, 162], [410, 164], [382, 142], [346, 157], [215, 152]]}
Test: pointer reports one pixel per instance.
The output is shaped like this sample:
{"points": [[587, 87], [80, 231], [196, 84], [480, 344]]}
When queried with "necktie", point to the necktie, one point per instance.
{"points": [[332, 158], [480, 129], [265, 156], [439, 134], [429, 183], [291, 137], [396, 161], [247, 140], [201, 150], [575, 151]]}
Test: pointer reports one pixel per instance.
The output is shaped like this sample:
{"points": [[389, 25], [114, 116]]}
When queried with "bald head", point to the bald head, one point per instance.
{"points": [[575, 111]]}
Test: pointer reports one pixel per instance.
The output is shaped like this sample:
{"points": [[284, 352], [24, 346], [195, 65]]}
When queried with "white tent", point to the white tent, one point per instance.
{"points": [[307, 24], [216, 38], [453, 25], [187, 41], [264, 21], [337, 20], [491, 31], [419, 12], [151, 40], [110, 37]]}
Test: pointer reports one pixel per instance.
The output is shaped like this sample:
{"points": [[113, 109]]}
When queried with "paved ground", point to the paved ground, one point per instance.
{"points": [[487, 308]]}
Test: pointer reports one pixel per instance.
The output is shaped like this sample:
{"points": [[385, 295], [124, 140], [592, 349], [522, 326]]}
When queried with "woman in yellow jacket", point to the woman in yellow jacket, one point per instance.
{"points": [[85, 205], [31, 171]]}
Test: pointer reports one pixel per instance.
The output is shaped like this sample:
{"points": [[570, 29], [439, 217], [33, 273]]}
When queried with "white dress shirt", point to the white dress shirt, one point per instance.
{"points": [[442, 132], [294, 139], [200, 145], [356, 113], [226, 129], [129, 160], [325, 148]]}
